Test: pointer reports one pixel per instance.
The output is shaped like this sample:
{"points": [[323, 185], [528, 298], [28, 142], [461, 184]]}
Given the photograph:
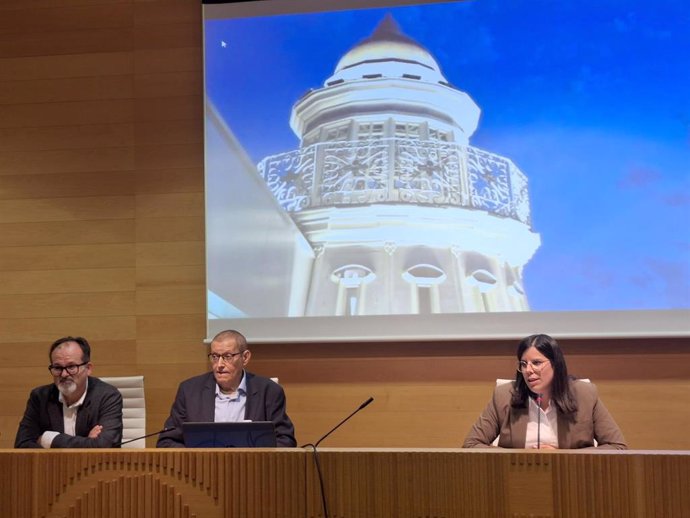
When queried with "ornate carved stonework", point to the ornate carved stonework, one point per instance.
{"points": [[399, 170]]}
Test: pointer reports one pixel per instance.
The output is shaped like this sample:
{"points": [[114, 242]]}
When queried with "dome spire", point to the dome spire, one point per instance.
{"points": [[387, 43], [388, 31]]}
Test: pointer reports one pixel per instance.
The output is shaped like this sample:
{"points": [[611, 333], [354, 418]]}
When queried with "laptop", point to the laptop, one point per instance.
{"points": [[242, 434]]}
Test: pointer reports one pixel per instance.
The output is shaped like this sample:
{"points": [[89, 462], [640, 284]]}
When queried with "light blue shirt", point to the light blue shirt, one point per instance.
{"points": [[230, 407]]}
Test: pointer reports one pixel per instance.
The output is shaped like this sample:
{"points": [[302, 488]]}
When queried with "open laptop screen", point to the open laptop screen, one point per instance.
{"points": [[244, 434]]}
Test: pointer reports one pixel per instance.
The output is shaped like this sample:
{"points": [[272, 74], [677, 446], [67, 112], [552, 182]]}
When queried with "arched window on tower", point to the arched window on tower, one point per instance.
{"points": [[425, 280], [483, 282], [351, 280], [515, 291]]}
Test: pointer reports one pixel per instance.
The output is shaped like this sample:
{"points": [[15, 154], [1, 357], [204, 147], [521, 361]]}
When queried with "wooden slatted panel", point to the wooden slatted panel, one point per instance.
{"points": [[364, 483], [665, 485], [408, 484]]}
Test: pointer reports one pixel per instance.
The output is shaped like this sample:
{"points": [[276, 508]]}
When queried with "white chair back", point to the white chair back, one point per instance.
{"points": [[133, 408]]}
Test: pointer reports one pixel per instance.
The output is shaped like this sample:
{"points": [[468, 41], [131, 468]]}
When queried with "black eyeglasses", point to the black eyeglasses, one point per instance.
{"points": [[56, 370], [227, 357]]}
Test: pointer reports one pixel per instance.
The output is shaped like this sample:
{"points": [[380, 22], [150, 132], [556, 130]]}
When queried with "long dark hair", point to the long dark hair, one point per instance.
{"points": [[561, 395]]}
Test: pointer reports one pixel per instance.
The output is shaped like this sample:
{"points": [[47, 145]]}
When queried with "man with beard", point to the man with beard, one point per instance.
{"points": [[77, 410], [228, 393]]}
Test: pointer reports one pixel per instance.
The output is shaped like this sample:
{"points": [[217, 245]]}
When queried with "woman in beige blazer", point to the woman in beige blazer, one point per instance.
{"points": [[544, 407]]}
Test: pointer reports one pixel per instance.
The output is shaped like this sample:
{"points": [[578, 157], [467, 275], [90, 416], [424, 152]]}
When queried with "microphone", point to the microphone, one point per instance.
{"points": [[324, 503], [539, 399], [147, 435], [361, 407]]}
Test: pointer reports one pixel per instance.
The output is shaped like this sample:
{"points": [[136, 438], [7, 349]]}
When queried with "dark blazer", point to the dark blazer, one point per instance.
{"points": [[196, 402], [102, 405], [509, 424]]}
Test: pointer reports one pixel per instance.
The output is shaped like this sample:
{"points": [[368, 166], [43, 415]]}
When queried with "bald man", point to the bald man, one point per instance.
{"points": [[228, 393]]}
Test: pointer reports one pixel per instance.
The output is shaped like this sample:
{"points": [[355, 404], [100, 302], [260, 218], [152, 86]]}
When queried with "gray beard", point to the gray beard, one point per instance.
{"points": [[67, 388]]}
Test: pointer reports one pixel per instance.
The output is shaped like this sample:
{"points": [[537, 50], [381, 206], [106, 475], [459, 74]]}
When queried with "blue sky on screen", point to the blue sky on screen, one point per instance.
{"points": [[590, 100]]}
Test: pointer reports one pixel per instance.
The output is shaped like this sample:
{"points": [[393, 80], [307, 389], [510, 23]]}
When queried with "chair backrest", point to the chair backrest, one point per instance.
{"points": [[500, 381], [503, 381], [133, 408]]}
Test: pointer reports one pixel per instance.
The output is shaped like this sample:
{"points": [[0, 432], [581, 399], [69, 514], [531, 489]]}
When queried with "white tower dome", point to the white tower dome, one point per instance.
{"points": [[388, 52], [388, 74]]}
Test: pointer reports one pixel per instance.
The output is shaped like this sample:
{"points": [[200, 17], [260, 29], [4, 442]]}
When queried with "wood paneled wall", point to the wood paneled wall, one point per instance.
{"points": [[102, 235]]}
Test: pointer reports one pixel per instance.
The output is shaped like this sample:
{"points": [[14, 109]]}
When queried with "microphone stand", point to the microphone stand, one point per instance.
{"points": [[539, 399], [316, 454], [147, 435], [366, 403]]}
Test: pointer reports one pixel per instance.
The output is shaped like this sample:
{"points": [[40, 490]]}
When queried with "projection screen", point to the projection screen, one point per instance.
{"points": [[392, 170]]}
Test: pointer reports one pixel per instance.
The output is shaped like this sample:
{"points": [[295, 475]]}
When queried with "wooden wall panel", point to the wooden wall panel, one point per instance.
{"points": [[67, 89], [101, 65], [169, 156], [110, 255], [102, 235], [114, 353], [67, 281], [169, 35], [51, 161], [152, 133], [159, 110], [46, 43], [170, 205], [169, 84], [66, 113], [171, 327], [64, 304], [66, 18], [51, 3], [169, 301], [45, 330], [68, 185], [182, 253], [183, 277], [181, 230], [181, 59], [67, 209], [153, 181], [66, 137], [49, 233]]}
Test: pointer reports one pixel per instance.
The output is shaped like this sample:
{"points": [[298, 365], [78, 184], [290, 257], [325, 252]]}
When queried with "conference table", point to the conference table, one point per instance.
{"points": [[358, 483]]}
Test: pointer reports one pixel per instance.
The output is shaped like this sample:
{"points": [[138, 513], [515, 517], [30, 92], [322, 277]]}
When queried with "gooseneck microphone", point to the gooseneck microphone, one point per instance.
{"points": [[147, 435], [361, 407], [539, 400], [316, 453]]}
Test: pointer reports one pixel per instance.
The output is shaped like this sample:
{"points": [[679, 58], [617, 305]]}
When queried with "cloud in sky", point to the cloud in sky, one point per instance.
{"points": [[640, 177]]}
